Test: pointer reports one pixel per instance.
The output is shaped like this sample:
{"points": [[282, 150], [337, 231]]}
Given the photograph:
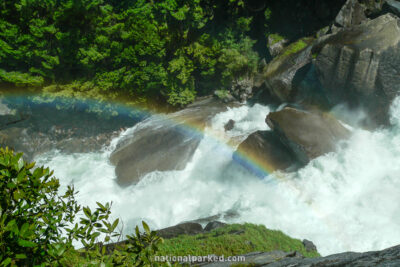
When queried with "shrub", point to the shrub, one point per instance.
{"points": [[38, 224]]}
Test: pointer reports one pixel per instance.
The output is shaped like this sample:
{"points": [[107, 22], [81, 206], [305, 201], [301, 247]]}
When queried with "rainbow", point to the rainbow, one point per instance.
{"points": [[256, 165], [190, 128]]}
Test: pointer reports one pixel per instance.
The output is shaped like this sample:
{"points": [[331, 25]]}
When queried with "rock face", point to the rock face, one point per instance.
{"points": [[275, 47], [9, 117], [265, 148], [242, 89], [387, 257], [359, 65], [34, 128], [279, 75], [163, 142], [307, 134], [213, 225], [188, 228], [309, 245], [351, 14]]}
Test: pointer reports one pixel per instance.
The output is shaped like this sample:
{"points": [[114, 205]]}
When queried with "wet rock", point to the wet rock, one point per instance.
{"points": [[307, 134], [229, 125], [275, 46], [36, 128], [163, 143], [359, 65], [266, 148], [351, 14], [279, 75], [386, 257], [259, 259], [309, 245], [18, 139], [213, 225], [227, 215], [393, 6], [188, 228], [242, 89], [9, 117]]}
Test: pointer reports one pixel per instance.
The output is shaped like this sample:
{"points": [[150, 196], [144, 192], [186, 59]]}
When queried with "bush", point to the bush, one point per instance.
{"points": [[38, 224]]}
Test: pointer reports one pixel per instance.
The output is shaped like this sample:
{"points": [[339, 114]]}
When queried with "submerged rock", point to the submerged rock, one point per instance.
{"points": [[307, 134], [229, 125], [163, 143]]}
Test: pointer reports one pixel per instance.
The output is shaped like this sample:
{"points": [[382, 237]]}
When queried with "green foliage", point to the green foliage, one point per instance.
{"points": [[170, 50], [32, 214], [294, 48], [21, 79], [233, 240], [38, 225], [275, 38]]}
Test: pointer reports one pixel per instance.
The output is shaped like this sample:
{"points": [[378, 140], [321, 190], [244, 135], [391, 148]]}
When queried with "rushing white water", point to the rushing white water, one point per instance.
{"points": [[348, 200]]}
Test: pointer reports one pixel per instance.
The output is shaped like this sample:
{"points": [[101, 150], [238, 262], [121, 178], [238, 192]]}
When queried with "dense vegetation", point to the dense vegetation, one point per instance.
{"points": [[161, 50]]}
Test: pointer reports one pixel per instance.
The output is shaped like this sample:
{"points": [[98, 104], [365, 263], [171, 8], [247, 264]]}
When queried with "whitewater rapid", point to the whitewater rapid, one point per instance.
{"points": [[343, 201]]}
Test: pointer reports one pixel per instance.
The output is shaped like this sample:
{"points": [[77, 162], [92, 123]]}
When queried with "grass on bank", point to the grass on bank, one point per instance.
{"points": [[233, 240], [230, 240]]}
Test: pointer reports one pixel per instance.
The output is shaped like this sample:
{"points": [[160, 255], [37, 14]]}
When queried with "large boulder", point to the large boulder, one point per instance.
{"points": [[280, 76], [352, 13], [266, 149], [188, 228], [359, 65], [9, 116], [307, 134], [386, 257], [276, 44], [163, 143], [356, 12]]}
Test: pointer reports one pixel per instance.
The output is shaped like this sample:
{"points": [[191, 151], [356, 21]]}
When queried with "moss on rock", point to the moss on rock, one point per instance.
{"points": [[232, 240]]}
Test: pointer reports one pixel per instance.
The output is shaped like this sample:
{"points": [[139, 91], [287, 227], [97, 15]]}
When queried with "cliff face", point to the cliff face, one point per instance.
{"points": [[353, 61]]}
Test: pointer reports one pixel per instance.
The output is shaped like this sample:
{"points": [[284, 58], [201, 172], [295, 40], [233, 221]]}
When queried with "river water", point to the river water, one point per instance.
{"points": [[342, 201]]}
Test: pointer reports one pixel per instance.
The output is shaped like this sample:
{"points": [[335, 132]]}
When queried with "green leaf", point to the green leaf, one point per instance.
{"points": [[20, 256], [18, 195], [26, 243], [6, 262], [146, 227], [114, 225], [87, 212]]}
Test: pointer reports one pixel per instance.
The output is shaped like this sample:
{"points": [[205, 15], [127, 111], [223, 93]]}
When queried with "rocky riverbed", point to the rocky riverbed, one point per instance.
{"points": [[324, 151]]}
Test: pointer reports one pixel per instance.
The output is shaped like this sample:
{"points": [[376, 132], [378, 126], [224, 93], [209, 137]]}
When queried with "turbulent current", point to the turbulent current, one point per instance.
{"points": [[343, 201]]}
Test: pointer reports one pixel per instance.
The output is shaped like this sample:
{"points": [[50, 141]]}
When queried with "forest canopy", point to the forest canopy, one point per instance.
{"points": [[168, 51]]}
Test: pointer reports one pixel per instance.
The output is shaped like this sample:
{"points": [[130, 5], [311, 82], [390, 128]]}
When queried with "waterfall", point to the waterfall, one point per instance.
{"points": [[346, 200]]}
